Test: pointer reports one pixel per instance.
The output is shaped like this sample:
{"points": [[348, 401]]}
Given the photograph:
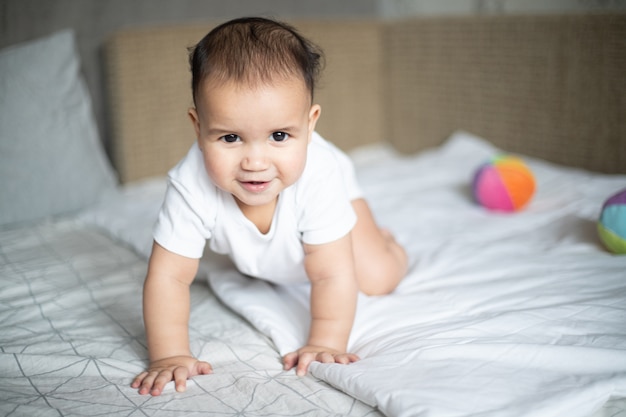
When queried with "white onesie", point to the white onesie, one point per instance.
{"points": [[315, 210]]}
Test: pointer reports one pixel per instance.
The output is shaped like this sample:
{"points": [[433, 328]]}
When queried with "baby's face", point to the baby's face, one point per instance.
{"points": [[254, 139]]}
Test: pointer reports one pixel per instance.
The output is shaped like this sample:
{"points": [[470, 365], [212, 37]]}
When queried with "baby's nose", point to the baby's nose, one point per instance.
{"points": [[255, 159]]}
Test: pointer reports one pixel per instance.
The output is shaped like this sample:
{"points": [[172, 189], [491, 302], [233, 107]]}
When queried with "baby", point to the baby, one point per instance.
{"points": [[261, 186]]}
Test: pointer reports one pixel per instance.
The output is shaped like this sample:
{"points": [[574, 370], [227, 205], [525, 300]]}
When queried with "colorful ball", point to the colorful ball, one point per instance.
{"points": [[612, 223], [505, 183]]}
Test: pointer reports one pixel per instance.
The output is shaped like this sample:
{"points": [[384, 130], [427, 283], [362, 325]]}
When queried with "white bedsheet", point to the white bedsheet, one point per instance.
{"points": [[72, 339], [520, 314]]}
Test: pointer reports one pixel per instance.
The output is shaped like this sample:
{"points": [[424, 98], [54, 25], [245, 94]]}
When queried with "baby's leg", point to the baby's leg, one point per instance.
{"points": [[380, 262]]}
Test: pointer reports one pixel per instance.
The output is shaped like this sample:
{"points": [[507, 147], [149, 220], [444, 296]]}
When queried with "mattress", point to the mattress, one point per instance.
{"points": [[520, 314]]}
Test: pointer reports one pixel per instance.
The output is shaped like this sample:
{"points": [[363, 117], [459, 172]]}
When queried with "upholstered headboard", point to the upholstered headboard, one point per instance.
{"points": [[547, 86], [149, 84]]}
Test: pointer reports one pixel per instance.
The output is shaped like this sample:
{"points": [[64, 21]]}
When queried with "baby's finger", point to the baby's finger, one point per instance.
{"points": [[147, 383], [180, 378], [159, 383], [138, 379], [304, 360], [290, 360], [203, 368], [346, 358], [325, 357]]}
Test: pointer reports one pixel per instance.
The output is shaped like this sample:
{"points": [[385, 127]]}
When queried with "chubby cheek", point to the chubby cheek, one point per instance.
{"points": [[218, 168], [293, 166]]}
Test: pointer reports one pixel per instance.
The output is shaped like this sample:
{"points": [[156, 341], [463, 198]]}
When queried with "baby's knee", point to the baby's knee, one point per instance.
{"points": [[381, 278], [376, 290]]}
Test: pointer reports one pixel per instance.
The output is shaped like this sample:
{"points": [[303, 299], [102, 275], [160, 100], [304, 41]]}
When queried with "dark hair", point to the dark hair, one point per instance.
{"points": [[252, 50]]}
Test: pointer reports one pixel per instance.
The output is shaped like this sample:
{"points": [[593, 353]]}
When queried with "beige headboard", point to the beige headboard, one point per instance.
{"points": [[547, 86]]}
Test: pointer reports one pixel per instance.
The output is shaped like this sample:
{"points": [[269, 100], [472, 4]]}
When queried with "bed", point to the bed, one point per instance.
{"points": [[516, 314]]}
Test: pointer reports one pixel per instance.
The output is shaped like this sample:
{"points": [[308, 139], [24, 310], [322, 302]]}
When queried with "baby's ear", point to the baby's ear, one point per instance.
{"points": [[195, 120], [314, 115]]}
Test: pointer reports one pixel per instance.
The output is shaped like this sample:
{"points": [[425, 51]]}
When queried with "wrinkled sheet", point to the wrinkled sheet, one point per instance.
{"points": [[518, 314], [72, 339]]}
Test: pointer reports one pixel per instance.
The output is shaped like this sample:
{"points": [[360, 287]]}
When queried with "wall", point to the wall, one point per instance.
{"points": [[404, 8], [94, 20]]}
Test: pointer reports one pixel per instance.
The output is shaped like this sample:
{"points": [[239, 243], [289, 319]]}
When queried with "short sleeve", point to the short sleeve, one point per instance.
{"points": [[325, 206], [179, 228], [187, 217]]}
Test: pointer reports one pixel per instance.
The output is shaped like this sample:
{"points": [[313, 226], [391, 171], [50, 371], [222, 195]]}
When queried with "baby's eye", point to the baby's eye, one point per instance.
{"points": [[231, 138], [280, 136]]}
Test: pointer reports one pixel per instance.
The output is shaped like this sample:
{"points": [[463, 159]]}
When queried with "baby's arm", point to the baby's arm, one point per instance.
{"points": [[330, 268], [166, 304]]}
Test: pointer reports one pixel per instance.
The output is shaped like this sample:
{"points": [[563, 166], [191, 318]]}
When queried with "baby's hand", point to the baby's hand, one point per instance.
{"points": [[307, 354], [176, 368]]}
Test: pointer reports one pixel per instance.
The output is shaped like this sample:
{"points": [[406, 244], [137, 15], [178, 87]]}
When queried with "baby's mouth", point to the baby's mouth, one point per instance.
{"points": [[255, 186]]}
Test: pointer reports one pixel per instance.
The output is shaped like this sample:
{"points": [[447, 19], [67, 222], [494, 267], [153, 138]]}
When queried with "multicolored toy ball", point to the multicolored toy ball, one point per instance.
{"points": [[612, 223], [505, 183]]}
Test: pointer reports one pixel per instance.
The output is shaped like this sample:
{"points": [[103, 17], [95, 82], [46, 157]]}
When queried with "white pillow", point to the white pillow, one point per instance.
{"points": [[51, 158]]}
